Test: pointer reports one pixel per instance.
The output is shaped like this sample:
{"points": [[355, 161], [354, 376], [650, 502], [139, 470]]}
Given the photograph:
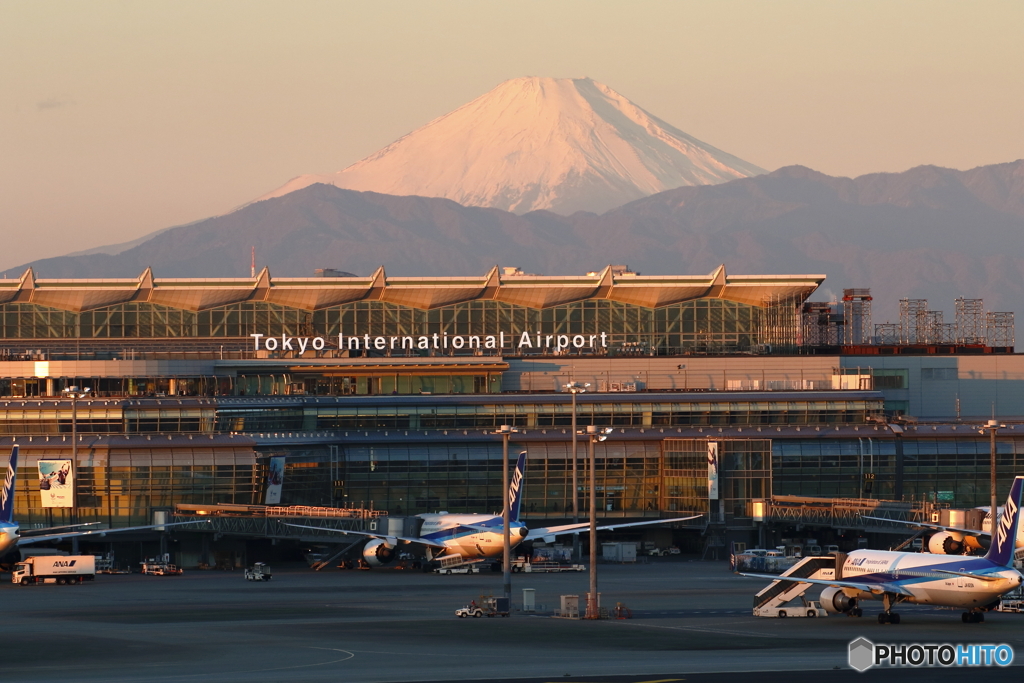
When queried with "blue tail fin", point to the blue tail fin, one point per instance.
{"points": [[515, 488], [7, 494], [1004, 534]]}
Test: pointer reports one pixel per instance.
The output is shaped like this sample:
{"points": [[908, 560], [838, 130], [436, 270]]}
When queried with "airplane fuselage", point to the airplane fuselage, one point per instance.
{"points": [[470, 535], [921, 576]]}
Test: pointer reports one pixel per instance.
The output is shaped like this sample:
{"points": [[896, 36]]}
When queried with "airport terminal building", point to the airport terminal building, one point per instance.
{"points": [[383, 393]]}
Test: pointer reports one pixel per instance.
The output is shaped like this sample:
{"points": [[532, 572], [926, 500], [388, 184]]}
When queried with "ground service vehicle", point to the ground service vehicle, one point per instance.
{"points": [[471, 610], [258, 572], [160, 569], [488, 607], [59, 569], [462, 569], [809, 608]]}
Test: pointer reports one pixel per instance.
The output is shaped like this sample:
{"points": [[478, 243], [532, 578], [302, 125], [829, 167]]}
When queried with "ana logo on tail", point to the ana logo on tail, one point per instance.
{"points": [[1006, 521], [8, 489], [515, 488], [7, 493]]}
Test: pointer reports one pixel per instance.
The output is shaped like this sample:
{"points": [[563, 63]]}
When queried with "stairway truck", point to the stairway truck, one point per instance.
{"points": [[66, 569], [809, 608]]}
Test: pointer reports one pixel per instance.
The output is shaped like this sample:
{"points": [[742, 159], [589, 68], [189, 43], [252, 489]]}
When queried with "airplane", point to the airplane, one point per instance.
{"points": [[973, 583], [473, 536], [952, 540], [10, 531]]}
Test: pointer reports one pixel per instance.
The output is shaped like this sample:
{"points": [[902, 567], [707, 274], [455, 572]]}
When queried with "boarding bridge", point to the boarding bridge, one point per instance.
{"points": [[776, 595], [850, 513], [262, 521]]}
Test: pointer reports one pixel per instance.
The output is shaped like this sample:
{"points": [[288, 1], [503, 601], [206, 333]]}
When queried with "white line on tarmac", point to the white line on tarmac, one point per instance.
{"points": [[705, 630]]}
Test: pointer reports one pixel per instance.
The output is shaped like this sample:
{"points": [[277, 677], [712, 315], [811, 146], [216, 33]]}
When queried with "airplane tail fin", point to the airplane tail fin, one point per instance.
{"points": [[1004, 535], [7, 494], [515, 488]]}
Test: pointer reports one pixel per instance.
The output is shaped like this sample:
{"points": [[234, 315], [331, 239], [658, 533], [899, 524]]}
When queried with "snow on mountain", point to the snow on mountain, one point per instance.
{"points": [[539, 143]]}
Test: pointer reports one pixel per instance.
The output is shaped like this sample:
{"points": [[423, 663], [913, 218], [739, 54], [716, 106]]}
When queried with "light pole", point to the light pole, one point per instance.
{"points": [[593, 435], [992, 427], [575, 388], [74, 394], [506, 432]]}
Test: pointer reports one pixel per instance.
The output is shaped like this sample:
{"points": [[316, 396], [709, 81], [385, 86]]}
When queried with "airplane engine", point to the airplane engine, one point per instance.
{"points": [[835, 601], [946, 543], [378, 553]]}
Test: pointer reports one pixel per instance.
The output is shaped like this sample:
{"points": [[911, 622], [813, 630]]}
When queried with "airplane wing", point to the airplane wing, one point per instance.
{"points": [[29, 540], [982, 577], [383, 537], [937, 527], [570, 528], [25, 533], [875, 588]]}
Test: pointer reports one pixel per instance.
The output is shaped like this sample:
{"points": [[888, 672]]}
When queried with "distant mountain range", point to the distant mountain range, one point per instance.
{"points": [[925, 233], [561, 144]]}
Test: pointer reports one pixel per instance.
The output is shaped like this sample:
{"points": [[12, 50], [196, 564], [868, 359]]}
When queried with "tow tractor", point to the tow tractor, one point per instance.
{"points": [[487, 607], [258, 572]]}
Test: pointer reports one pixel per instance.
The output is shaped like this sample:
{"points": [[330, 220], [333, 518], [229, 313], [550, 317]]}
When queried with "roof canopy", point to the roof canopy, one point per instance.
{"points": [[532, 291]]}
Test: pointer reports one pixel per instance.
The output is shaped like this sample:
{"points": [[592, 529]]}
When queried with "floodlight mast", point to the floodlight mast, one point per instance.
{"points": [[594, 434], [992, 427], [74, 394], [506, 432], [575, 388]]}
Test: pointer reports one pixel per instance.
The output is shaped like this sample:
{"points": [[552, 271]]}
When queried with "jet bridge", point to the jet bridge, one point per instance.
{"points": [[263, 521], [775, 599]]}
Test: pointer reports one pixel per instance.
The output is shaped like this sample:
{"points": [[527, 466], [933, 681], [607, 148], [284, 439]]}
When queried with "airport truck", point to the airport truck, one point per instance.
{"points": [[59, 569]]}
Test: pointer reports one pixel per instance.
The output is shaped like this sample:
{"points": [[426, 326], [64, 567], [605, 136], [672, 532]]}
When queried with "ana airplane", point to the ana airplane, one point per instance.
{"points": [[972, 583], [473, 537], [10, 531]]}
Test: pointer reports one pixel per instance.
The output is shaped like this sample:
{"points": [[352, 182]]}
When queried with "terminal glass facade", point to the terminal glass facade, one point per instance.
{"points": [[121, 486], [955, 471], [700, 325]]}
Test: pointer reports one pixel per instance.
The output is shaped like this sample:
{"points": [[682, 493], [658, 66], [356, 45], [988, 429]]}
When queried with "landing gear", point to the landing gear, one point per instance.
{"points": [[888, 616], [856, 612], [972, 617]]}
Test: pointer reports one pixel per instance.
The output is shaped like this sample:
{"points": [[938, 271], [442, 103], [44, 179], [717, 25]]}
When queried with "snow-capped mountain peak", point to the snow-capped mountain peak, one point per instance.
{"points": [[539, 143]]}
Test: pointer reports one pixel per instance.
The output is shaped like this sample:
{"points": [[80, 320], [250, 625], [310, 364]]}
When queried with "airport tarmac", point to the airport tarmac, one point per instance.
{"points": [[691, 620]]}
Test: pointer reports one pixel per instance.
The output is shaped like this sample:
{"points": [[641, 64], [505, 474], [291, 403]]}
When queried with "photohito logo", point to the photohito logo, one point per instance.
{"points": [[864, 654]]}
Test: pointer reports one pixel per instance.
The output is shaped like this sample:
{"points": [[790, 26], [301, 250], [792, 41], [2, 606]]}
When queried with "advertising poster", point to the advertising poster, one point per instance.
{"points": [[713, 470], [56, 484], [275, 478]]}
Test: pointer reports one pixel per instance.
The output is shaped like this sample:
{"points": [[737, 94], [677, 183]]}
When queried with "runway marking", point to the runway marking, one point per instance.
{"points": [[330, 649], [705, 630], [659, 680]]}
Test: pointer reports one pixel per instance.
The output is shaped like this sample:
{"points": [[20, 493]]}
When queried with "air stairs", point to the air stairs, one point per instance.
{"points": [[774, 599]]}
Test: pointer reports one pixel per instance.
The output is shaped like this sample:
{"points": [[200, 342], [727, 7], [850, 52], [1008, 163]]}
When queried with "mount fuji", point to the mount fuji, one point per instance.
{"points": [[558, 144]]}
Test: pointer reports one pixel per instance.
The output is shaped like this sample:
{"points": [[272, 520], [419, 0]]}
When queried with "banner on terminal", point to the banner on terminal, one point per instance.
{"points": [[436, 341], [713, 463], [275, 480], [56, 483]]}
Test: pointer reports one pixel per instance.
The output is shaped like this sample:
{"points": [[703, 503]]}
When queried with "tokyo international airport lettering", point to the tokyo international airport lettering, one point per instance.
{"points": [[436, 341]]}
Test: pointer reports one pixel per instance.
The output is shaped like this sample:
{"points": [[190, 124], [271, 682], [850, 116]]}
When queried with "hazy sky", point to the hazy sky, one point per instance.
{"points": [[120, 118]]}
